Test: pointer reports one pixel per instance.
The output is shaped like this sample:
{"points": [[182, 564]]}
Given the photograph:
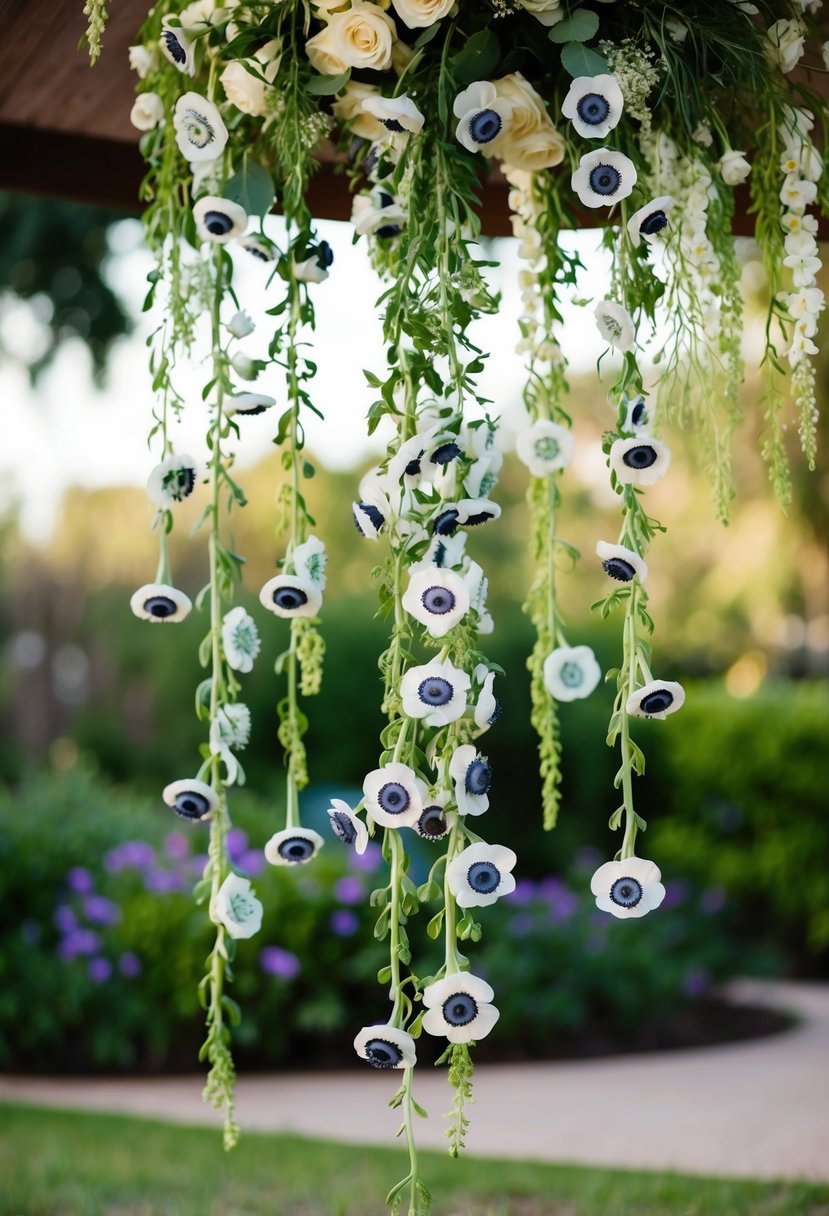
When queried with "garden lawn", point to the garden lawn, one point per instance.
{"points": [[60, 1163]]}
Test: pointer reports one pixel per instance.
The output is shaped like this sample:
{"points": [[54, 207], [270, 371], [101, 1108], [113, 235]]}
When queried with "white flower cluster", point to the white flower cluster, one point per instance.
{"points": [[526, 210], [802, 166], [637, 74]]}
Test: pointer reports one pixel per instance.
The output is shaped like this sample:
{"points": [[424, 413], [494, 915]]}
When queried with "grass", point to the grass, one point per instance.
{"points": [[61, 1163]]}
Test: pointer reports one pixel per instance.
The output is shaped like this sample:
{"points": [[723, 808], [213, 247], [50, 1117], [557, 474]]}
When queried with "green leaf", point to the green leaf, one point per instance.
{"points": [[579, 28], [252, 188], [322, 86], [478, 59], [579, 60]]}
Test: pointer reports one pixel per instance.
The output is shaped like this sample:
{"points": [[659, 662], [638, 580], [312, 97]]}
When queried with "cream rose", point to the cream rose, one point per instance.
{"points": [[787, 39], [348, 109], [734, 168], [360, 38], [242, 79], [419, 13], [548, 12], [147, 111], [530, 141]]}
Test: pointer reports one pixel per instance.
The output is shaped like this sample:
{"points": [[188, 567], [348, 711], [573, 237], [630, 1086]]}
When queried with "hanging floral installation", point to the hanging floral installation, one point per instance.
{"points": [[640, 120]]}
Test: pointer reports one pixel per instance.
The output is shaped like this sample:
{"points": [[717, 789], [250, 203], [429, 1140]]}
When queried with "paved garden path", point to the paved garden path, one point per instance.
{"points": [[758, 1109]]}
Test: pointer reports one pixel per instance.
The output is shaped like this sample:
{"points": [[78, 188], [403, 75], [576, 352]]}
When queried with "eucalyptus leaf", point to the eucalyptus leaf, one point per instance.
{"points": [[323, 86], [252, 188], [478, 59], [579, 28], [579, 60]]}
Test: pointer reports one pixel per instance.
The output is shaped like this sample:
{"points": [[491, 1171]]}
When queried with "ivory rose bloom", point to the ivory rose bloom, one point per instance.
{"points": [[362, 37], [419, 13], [530, 141], [787, 39], [243, 84], [147, 111], [348, 108], [548, 12], [734, 168]]}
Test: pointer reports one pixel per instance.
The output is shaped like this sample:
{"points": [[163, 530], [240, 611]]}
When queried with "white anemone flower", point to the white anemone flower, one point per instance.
{"points": [[481, 874], [237, 908], [314, 268], [603, 178], [472, 778], [640, 461], [459, 1007], [636, 418], [615, 325], [200, 130], [629, 888], [434, 821], [258, 247], [247, 404], [229, 731], [176, 47], [219, 219], [377, 213], [293, 846], [651, 220], [483, 117], [594, 105], [171, 481], [289, 595], [656, 699], [487, 707], [386, 1047], [397, 114], [190, 798], [438, 598], [240, 639], [159, 602], [240, 325], [620, 563], [435, 692], [394, 796], [310, 560], [545, 447], [347, 826], [571, 673], [369, 519]]}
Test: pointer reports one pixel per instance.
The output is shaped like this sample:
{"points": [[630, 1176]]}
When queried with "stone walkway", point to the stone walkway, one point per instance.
{"points": [[758, 1109]]}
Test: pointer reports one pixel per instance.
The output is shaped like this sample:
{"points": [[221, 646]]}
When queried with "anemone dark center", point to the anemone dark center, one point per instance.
{"points": [[605, 180], [593, 109], [289, 598], [380, 1053], [478, 777], [445, 453], [638, 413], [435, 691], [571, 675], [373, 514], [389, 230], [640, 457], [393, 798], [460, 1009], [393, 124], [547, 448], [485, 126], [446, 523], [252, 409], [479, 517], [483, 877], [626, 892], [191, 805], [342, 827], [432, 822], [199, 131], [218, 223], [160, 606], [257, 252], [619, 569], [174, 48], [653, 223], [324, 255], [296, 848], [438, 600], [657, 702]]}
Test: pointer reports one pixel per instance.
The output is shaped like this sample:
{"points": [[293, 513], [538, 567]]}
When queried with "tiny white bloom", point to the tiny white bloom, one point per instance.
{"points": [[190, 798], [438, 598], [147, 111], [171, 481], [244, 366], [629, 888], [478, 587], [733, 167], [230, 730], [614, 324], [787, 40], [159, 602], [240, 639], [472, 778], [293, 846], [219, 219], [237, 908], [386, 1047], [656, 700], [651, 220], [394, 795], [309, 561], [435, 692], [200, 131], [640, 461], [594, 105], [797, 194], [347, 826], [141, 60], [603, 178], [571, 673], [483, 115], [289, 595], [459, 1008], [481, 874], [620, 563], [397, 114], [487, 707], [545, 447]]}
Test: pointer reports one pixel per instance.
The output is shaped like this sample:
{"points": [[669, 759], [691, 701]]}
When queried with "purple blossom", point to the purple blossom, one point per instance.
{"points": [[712, 900], [65, 918], [562, 902], [129, 964], [521, 925], [252, 861], [196, 864], [587, 858], [524, 892], [696, 983], [676, 893], [162, 882], [132, 854], [101, 911], [369, 861], [280, 963], [80, 880], [99, 970], [349, 890], [79, 941], [237, 843], [344, 922], [176, 846]]}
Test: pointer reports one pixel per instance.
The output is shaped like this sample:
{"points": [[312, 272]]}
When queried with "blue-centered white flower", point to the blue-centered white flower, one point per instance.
{"points": [[487, 706], [459, 1007], [467, 513], [176, 47], [258, 247], [229, 731], [651, 220], [237, 908], [435, 692], [386, 1047], [397, 114], [571, 673], [247, 404], [159, 602], [377, 213], [293, 846], [636, 418], [434, 821], [347, 826], [369, 519], [615, 325], [438, 598], [472, 778], [190, 798], [309, 561], [640, 461], [629, 888], [219, 219], [394, 795], [656, 699], [200, 130], [481, 874], [240, 639], [545, 447], [594, 105], [603, 178], [289, 595], [314, 268], [483, 117], [620, 563], [172, 480]]}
